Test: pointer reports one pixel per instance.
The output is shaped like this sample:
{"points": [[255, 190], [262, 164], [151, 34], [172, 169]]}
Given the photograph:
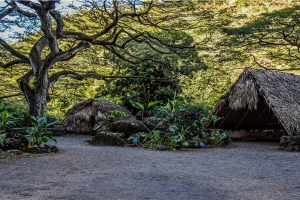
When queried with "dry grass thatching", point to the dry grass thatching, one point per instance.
{"points": [[261, 99], [91, 112]]}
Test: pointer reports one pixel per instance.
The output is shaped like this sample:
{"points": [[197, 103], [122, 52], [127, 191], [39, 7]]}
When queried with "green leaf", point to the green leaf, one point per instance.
{"points": [[171, 105], [196, 137], [49, 134], [52, 123], [4, 116], [137, 105], [185, 144], [173, 128], [31, 130], [152, 105], [42, 121], [33, 121], [130, 138]]}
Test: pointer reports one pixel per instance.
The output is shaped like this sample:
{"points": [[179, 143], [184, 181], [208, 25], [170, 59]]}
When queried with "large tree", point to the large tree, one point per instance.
{"points": [[114, 26]]}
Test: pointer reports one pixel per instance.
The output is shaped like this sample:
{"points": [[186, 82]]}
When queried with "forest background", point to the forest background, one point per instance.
{"points": [[228, 36]]}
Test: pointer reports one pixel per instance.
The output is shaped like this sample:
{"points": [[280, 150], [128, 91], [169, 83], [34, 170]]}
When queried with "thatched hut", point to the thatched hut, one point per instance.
{"points": [[261, 100], [84, 116]]}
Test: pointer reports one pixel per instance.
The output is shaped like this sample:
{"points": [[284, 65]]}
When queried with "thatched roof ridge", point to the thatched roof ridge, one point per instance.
{"points": [[279, 91]]}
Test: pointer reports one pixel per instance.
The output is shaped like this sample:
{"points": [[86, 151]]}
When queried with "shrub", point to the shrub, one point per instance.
{"points": [[37, 134]]}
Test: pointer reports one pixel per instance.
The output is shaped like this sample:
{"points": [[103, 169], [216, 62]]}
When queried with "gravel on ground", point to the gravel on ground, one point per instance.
{"points": [[241, 171]]}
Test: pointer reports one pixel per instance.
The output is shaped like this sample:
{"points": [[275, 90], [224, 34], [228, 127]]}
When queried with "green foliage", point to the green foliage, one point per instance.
{"points": [[37, 134], [113, 115], [205, 87], [2, 139], [265, 38], [172, 110], [178, 138], [15, 106], [137, 105], [149, 106], [227, 39], [215, 139], [138, 136], [7, 121], [214, 119], [157, 78], [156, 140], [199, 124], [146, 109]]}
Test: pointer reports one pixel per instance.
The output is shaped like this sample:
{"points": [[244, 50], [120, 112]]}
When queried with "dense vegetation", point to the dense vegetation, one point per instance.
{"points": [[223, 37]]}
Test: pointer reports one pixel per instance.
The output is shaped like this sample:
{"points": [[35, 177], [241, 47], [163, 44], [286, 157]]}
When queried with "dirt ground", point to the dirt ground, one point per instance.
{"points": [[242, 170]]}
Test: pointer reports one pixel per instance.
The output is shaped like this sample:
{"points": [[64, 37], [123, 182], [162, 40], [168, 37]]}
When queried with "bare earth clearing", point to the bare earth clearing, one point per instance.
{"points": [[243, 170]]}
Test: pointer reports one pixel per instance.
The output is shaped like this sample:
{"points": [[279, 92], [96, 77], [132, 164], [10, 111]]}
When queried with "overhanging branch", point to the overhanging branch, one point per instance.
{"points": [[11, 63], [71, 52], [55, 77], [11, 95], [14, 52]]}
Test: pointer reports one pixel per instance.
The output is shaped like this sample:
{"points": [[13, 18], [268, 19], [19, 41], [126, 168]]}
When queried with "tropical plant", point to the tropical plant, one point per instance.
{"points": [[7, 121], [146, 108], [177, 140], [113, 115], [156, 140], [199, 124], [214, 119], [218, 139], [138, 136], [172, 110], [2, 138], [38, 134], [149, 106]]}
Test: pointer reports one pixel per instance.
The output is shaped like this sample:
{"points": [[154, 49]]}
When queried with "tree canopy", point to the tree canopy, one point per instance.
{"points": [[112, 25]]}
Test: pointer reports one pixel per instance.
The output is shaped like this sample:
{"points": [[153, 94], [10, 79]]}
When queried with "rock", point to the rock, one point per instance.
{"points": [[15, 141], [289, 143], [165, 148], [297, 147], [157, 124], [56, 131], [11, 152], [108, 138], [283, 141], [289, 147], [128, 126], [39, 150], [282, 148], [142, 114]]}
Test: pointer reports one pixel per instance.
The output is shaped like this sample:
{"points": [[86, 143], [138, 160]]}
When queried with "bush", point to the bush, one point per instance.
{"points": [[37, 134]]}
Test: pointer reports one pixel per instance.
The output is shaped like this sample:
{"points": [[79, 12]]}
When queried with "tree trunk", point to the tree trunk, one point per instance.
{"points": [[36, 97], [36, 107]]}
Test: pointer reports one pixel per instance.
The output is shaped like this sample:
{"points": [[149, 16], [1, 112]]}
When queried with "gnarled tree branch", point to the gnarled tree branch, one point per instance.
{"points": [[55, 77], [11, 63], [14, 52]]}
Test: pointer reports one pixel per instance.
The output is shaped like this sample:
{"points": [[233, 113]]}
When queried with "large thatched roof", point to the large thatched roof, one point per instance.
{"points": [[261, 100], [89, 113]]}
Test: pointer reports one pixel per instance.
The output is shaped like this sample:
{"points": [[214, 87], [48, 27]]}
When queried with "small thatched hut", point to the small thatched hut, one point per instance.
{"points": [[88, 114], [261, 100]]}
